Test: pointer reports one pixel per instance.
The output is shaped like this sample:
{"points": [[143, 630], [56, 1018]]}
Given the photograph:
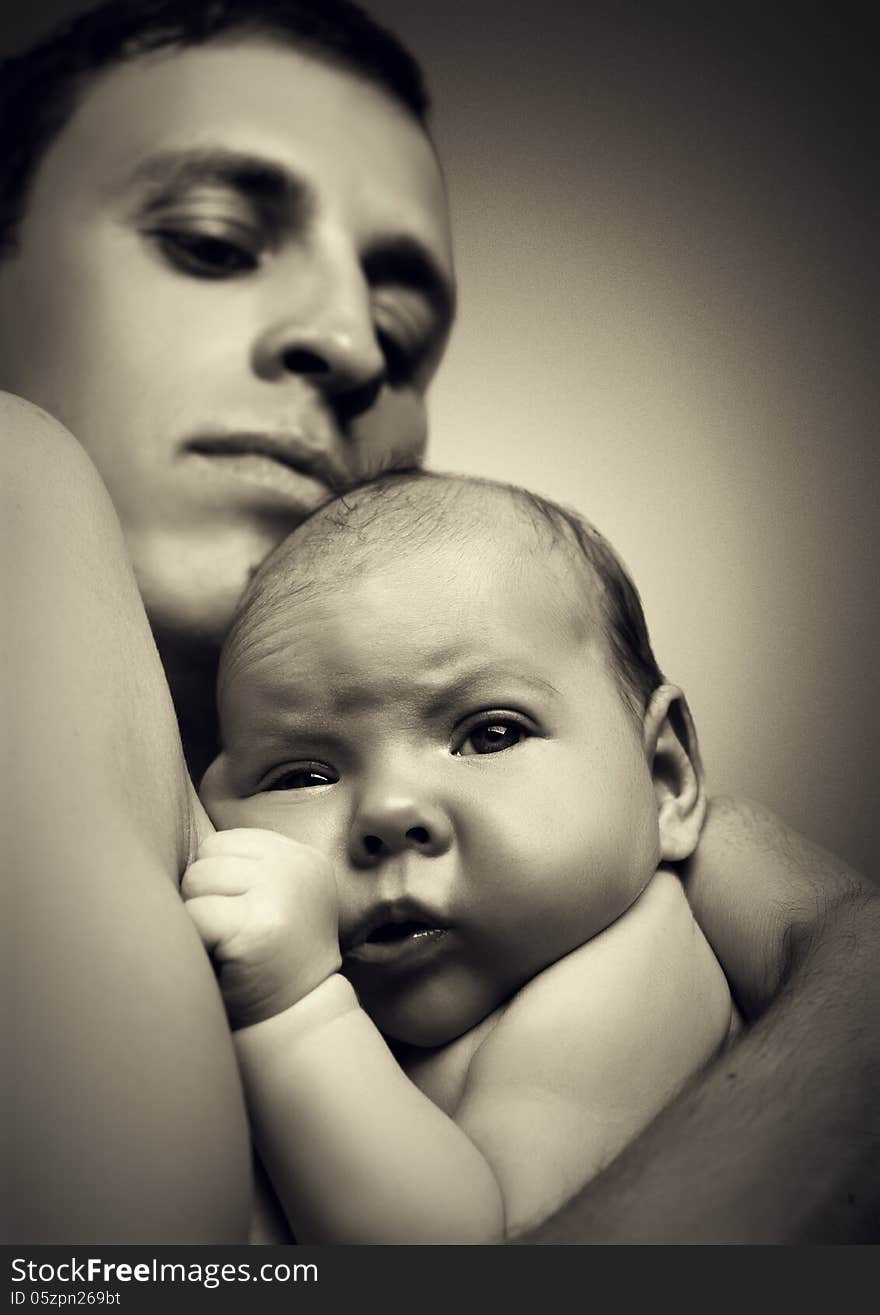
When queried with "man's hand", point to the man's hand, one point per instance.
{"points": [[266, 910]]}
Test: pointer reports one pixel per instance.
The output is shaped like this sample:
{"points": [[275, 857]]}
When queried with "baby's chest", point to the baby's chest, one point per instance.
{"points": [[441, 1074]]}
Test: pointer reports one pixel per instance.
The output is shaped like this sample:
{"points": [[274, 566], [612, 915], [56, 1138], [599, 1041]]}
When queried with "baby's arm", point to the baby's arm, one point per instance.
{"points": [[571, 1071], [354, 1150]]}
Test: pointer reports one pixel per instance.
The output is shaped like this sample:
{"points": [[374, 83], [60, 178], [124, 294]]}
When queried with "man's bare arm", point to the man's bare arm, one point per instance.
{"points": [[778, 1141]]}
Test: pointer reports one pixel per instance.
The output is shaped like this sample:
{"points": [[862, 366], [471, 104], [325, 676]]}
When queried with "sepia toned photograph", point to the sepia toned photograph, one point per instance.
{"points": [[439, 540]]}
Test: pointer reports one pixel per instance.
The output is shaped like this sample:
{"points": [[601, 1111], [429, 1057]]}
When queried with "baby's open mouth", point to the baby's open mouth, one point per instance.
{"points": [[397, 940], [392, 932]]}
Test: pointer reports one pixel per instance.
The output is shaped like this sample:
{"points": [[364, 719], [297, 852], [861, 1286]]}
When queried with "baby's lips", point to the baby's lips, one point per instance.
{"points": [[379, 921], [398, 943]]}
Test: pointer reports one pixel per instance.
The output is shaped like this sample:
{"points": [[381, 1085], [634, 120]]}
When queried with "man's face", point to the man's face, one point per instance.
{"points": [[233, 284], [443, 731]]}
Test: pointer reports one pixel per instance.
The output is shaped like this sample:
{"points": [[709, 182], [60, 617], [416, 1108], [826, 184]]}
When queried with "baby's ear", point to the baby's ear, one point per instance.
{"points": [[674, 757]]}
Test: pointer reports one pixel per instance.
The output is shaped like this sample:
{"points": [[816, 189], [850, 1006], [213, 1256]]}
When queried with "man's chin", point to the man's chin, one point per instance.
{"points": [[186, 616], [192, 579]]}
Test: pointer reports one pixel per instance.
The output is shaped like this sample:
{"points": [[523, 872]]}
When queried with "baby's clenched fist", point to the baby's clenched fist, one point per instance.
{"points": [[267, 912]]}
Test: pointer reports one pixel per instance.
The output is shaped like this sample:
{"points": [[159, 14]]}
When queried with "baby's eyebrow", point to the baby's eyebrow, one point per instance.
{"points": [[484, 683]]}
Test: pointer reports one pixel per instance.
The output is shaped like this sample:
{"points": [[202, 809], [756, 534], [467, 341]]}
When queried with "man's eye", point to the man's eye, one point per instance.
{"points": [[205, 255], [405, 331], [492, 736], [399, 364], [305, 777]]}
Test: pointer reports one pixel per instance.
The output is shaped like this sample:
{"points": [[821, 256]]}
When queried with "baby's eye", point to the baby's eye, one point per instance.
{"points": [[205, 255], [492, 736], [305, 776]]}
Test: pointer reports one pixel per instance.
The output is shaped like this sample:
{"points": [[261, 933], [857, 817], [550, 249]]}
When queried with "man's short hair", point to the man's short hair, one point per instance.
{"points": [[40, 89], [392, 506]]}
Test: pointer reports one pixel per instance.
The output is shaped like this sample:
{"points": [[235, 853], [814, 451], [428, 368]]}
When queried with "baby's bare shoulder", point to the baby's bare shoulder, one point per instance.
{"points": [[590, 1050], [651, 968]]}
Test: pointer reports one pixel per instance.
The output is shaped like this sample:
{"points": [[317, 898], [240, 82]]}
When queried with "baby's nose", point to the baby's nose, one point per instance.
{"points": [[384, 827]]}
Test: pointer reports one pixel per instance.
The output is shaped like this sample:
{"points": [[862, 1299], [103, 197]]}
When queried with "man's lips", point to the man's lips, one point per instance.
{"points": [[289, 450], [394, 933]]}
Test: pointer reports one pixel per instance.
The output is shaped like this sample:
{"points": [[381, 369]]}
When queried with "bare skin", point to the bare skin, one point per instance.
{"points": [[228, 350], [798, 951], [775, 909], [65, 539], [442, 743], [115, 1008]]}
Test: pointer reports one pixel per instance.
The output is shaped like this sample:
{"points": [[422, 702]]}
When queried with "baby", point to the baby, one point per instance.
{"points": [[459, 977]]}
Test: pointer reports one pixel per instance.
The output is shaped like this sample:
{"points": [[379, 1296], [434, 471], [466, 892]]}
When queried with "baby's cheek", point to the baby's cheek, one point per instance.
{"points": [[227, 813], [219, 796], [291, 814]]}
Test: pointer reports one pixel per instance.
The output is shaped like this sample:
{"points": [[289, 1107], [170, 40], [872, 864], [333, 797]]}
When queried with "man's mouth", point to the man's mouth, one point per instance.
{"points": [[281, 461]]}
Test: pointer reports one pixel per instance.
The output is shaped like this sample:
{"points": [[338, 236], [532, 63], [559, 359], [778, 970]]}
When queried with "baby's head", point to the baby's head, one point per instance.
{"points": [[446, 685]]}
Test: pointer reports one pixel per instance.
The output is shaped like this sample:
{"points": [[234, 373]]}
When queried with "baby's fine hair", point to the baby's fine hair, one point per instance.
{"points": [[395, 512]]}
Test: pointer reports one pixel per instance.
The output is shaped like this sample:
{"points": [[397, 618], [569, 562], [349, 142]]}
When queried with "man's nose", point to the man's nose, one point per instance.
{"points": [[389, 823], [322, 330]]}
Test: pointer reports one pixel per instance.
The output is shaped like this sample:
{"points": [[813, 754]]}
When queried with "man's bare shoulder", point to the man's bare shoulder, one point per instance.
{"points": [[22, 423], [16, 410], [82, 684], [42, 460]]}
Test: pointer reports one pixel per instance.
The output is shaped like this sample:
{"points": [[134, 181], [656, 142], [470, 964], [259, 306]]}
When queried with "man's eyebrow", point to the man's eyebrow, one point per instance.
{"points": [[396, 259], [263, 181]]}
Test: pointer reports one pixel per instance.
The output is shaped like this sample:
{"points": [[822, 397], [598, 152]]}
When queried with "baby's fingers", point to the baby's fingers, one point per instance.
{"points": [[249, 842], [217, 919], [218, 876]]}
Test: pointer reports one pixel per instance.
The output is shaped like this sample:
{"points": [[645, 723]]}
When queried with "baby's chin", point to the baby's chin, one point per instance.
{"points": [[431, 1037], [407, 1023]]}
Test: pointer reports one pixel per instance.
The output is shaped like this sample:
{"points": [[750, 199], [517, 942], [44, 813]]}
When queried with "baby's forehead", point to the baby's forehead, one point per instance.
{"points": [[390, 525], [458, 530], [465, 579]]}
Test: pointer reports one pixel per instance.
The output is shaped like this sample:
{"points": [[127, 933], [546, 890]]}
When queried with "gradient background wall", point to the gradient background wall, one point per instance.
{"points": [[663, 221]]}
